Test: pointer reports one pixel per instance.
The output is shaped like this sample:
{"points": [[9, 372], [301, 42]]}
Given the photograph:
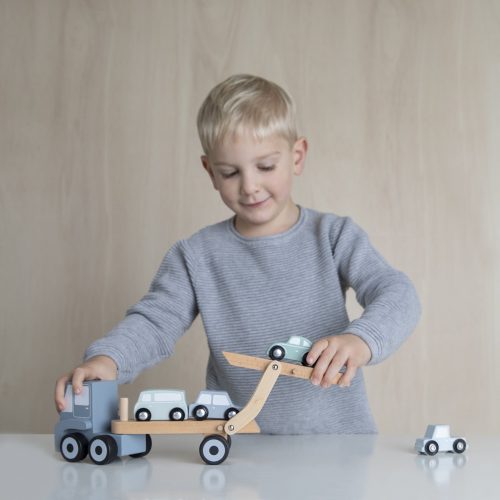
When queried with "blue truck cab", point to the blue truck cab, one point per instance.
{"points": [[84, 426]]}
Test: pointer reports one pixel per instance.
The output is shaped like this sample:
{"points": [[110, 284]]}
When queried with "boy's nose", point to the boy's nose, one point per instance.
{"points": [[249, 185]]}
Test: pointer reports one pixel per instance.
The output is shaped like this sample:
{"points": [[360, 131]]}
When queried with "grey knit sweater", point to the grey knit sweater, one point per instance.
{"points": [[251, 292]]}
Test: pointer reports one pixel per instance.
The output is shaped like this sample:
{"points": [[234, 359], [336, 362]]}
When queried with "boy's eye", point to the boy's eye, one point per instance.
{"points": [[227, 175], [266, 168]]}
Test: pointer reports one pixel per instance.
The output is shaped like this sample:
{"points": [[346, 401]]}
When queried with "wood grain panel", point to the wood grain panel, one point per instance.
{"points": [[100, 174]]}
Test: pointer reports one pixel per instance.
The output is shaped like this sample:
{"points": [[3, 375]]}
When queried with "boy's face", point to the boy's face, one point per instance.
{"points": [[254, 179]]}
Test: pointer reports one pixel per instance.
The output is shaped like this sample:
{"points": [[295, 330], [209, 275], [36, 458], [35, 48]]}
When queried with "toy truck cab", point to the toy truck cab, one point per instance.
{"points": [[84, 426], [438, 438]]}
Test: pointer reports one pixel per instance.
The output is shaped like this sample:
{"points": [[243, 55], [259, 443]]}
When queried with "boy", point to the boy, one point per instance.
{"points": [[274, 270]]}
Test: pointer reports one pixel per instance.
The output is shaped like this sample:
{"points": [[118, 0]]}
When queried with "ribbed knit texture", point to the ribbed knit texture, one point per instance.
{"points": [[252, 292]]}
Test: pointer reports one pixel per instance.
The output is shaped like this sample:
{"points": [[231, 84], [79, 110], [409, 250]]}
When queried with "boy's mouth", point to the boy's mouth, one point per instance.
{"points": [[255, 204]]}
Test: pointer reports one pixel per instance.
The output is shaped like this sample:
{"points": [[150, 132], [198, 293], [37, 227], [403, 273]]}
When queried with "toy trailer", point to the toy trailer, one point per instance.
{"points": [[215, 447], [84, 426]]}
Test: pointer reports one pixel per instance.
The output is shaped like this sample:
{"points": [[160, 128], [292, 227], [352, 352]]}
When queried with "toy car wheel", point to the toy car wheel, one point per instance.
{"points": [[74, 447], [230, 413], [143, 414], [459, 446], [304, 360], [200, 412], [214, 449], [177, 414], [149, 444], [103, 450], [431, 448], [277, 352]]}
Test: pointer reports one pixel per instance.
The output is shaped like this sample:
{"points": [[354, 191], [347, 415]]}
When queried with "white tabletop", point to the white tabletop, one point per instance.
{"points": [[270, 467]]}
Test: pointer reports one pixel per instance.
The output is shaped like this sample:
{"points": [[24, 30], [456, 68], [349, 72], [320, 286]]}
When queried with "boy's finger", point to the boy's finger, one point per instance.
{"points": [[316, 351], [59, 392], [331, 375], [346, 379], [79, 375], [322, 365]]}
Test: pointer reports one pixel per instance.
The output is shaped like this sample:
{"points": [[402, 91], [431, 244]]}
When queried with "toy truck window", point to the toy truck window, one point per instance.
{"points": [[146, 398], [68, 399], [294, 341], [220, 399], [205, 399], [82, 403], [82, 399]]}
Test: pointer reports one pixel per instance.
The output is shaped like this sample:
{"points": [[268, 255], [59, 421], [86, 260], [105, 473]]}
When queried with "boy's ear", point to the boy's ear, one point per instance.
{"points": [[299, 155], [208, 168]]}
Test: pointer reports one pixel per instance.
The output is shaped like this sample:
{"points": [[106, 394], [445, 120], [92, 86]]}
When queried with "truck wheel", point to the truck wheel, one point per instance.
{"points": [[200, 412], [143, 414], [214, 449], [74, 447], [459, 446], [177, 414], [431, 448], [149, 443], [103, 450], [277, 352]]}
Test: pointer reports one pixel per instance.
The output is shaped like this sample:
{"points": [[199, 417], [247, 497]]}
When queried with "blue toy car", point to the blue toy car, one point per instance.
{"points": [[295, 349], [438, 438], [161, 404], [213, 404]]}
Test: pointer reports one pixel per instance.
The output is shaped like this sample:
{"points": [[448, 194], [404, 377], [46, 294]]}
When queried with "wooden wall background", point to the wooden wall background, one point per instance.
{"points": [[100, 175]]}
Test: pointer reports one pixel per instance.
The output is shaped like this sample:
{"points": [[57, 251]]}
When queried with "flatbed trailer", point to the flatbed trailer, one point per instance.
{"points": [[215, 447]]}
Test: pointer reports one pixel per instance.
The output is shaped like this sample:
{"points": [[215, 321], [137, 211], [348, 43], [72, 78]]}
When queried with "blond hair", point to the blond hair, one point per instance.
{"points": [[246, 103]]}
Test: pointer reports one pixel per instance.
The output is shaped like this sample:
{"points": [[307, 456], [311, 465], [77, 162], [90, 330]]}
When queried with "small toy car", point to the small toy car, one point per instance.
{"points": [[161, 405], [296, 348], [437, 438], [213, 404]]}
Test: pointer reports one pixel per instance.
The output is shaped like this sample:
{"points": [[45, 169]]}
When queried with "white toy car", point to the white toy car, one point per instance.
{"points": [[437, 438], [213, 404], [161, 405]]}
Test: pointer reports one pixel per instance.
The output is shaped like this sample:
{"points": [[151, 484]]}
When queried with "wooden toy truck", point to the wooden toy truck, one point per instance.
{"points": [[84, 426], [98, 431]]}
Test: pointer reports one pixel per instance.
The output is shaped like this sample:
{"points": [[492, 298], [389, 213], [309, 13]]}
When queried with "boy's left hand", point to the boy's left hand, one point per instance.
{"points": [[332, 353]]}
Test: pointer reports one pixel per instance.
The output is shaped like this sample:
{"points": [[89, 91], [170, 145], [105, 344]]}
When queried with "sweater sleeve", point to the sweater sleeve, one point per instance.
{"points": [[390, 302], [150, 329]]}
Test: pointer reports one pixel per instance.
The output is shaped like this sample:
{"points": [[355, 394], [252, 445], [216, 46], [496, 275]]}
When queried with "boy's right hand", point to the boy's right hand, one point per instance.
{"points": [[96, 368]]}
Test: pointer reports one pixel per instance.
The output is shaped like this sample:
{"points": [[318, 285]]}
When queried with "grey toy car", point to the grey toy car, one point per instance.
{"points": [[213, 404], [437, 438], [296, 348]]}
